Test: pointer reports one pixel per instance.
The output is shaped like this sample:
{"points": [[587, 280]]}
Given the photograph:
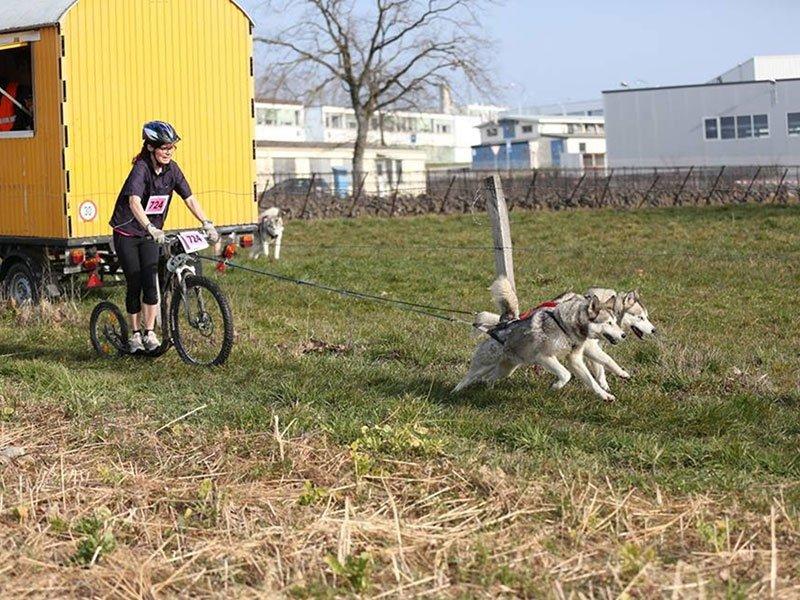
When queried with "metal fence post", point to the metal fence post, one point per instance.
{"points": [[605, 187], [750, 187], [780, 186], [394, 198], [531, 188], [308, 195], [683, 185], [575, 189], [714, 187], [357, 195], [447, 194], [650, 189]]}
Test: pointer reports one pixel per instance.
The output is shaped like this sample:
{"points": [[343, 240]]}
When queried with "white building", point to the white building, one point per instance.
{"points": [[387, 168], [446, 138], [762, 68], [280, 120], [749, 115], [586, 108], [543, 141]]}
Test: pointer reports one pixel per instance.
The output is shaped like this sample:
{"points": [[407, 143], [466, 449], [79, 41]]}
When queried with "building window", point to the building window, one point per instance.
{"points": [[793, 123], [727, 128], [760, 126], [527, 129], [582, 147], [712, 129], [491, 132], [16, 79], [278, 116], [744, 126]]}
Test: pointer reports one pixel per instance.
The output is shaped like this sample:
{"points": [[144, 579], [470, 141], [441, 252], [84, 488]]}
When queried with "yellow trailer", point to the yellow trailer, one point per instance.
{"points": [[78, 78]]}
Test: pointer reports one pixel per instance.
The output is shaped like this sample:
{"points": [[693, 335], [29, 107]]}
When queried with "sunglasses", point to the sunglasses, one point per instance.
{"points": [[168, 148]]}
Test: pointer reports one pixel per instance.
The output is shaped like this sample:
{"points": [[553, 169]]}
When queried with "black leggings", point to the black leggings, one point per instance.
{"points": [[139, 260]]}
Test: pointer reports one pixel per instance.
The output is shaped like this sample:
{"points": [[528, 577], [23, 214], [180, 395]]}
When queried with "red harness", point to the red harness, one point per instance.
{"points": [[529, 313]]}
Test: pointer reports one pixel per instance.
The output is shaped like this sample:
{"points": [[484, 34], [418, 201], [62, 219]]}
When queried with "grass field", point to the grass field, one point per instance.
{"points": [[328, 457]]}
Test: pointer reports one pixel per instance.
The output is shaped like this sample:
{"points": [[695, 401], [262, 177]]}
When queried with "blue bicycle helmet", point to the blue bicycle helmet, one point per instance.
{"points": [[158, 133]]}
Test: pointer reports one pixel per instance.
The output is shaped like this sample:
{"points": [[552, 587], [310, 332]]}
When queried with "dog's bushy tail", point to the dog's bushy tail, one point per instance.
{"points": [[505, 297], [483, 321]]}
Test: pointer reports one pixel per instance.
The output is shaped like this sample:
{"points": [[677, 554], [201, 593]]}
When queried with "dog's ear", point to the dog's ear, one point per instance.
{"points": [[636, 295], [595, 306], [630, 299], [611, 302]]}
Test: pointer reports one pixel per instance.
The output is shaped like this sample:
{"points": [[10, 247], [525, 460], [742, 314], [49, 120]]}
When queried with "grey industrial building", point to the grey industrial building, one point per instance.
{"points": [[749, 115]]}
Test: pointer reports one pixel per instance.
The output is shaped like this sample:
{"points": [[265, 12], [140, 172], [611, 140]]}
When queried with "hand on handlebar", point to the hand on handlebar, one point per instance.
{"points": [[211, 232], [158, 235]]}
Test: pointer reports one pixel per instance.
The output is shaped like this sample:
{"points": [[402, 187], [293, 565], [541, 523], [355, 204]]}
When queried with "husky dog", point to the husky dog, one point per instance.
{"points": [[270, 229], [632, 316], [542, 336]]}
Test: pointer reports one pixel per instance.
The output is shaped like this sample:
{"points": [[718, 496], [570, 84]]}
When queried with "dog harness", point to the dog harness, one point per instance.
{"points": [[528, 314]]}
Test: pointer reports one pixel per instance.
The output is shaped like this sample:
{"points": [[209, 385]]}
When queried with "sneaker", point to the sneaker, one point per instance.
{"points": [[135, 343], [150, 341]]}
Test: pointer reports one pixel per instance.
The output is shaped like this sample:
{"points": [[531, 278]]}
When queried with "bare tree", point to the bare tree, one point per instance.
{"points": [[388, 54]]}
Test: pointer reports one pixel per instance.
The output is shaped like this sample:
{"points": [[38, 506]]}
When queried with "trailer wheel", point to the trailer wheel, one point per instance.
{"points": [[21, 285]]}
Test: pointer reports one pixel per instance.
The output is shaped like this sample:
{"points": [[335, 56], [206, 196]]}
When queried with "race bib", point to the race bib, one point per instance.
{"points": [[192, 241], [156, 205]]}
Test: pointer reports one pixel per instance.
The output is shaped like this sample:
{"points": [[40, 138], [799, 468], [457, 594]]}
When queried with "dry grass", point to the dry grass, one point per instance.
{"points": [[117, 510]]}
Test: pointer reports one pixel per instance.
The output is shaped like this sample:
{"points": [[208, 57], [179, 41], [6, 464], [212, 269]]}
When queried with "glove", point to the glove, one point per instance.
{"points": [[157, 235], [211, 232]]}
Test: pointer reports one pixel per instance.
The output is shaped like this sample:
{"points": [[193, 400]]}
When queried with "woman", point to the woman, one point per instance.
{"points": [[138, 222]]}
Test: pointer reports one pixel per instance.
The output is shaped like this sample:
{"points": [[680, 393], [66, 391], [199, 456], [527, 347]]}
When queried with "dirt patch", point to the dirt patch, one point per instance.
{"points": [[316, 346]]}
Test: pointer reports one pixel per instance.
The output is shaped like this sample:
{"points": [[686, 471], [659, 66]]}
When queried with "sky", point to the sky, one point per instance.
{"points": [[561, 51]]}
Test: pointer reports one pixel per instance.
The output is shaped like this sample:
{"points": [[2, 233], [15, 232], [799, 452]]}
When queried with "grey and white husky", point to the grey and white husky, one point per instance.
{"points": [[631, 314], [633, 317], [542, 337], [270, 231]]}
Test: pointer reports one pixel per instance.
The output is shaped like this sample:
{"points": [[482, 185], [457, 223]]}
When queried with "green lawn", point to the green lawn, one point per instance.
{"points": [[713, 406], [720, 283]]}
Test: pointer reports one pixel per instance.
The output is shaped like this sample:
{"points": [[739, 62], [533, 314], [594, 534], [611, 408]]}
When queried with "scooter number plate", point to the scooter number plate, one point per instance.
{"points": [[192, 241]]}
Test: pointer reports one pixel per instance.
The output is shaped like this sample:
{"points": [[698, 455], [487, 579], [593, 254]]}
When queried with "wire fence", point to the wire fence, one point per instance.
{"points": [[320, 195]]}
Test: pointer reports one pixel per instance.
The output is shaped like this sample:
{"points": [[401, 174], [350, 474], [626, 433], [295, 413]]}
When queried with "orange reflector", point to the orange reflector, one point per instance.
{"points": [[77, 256], [94, 281], [246, 241], [90, 264], [230, 251], [222, 267]]}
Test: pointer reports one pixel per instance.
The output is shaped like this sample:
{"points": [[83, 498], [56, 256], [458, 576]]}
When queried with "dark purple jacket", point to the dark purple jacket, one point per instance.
{"points": [[155, 192]]}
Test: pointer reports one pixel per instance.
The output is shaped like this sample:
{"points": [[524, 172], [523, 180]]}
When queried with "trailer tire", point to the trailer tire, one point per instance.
{"points": [[20, 284]]}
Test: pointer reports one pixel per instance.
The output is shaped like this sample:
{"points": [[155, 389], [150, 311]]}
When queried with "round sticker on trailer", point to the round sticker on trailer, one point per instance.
{"points": [[88, 211]]}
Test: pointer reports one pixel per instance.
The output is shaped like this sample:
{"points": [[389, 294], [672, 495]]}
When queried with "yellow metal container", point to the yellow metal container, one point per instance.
{"points": [[100, 72]]}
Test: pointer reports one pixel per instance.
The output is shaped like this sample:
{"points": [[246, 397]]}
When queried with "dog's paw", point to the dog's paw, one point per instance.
{"points": [[559, 384], [608, 397], [624, 374]]}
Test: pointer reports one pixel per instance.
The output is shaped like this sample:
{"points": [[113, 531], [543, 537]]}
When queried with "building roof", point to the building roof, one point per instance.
{"points": [[698, 85], [16, 15], [598, 119], [278, 101], [330, 145]]}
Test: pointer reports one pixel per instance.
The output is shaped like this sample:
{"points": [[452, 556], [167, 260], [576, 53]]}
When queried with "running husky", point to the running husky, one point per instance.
{"points": [[542, 336], [270, 229], [631, 315]]}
